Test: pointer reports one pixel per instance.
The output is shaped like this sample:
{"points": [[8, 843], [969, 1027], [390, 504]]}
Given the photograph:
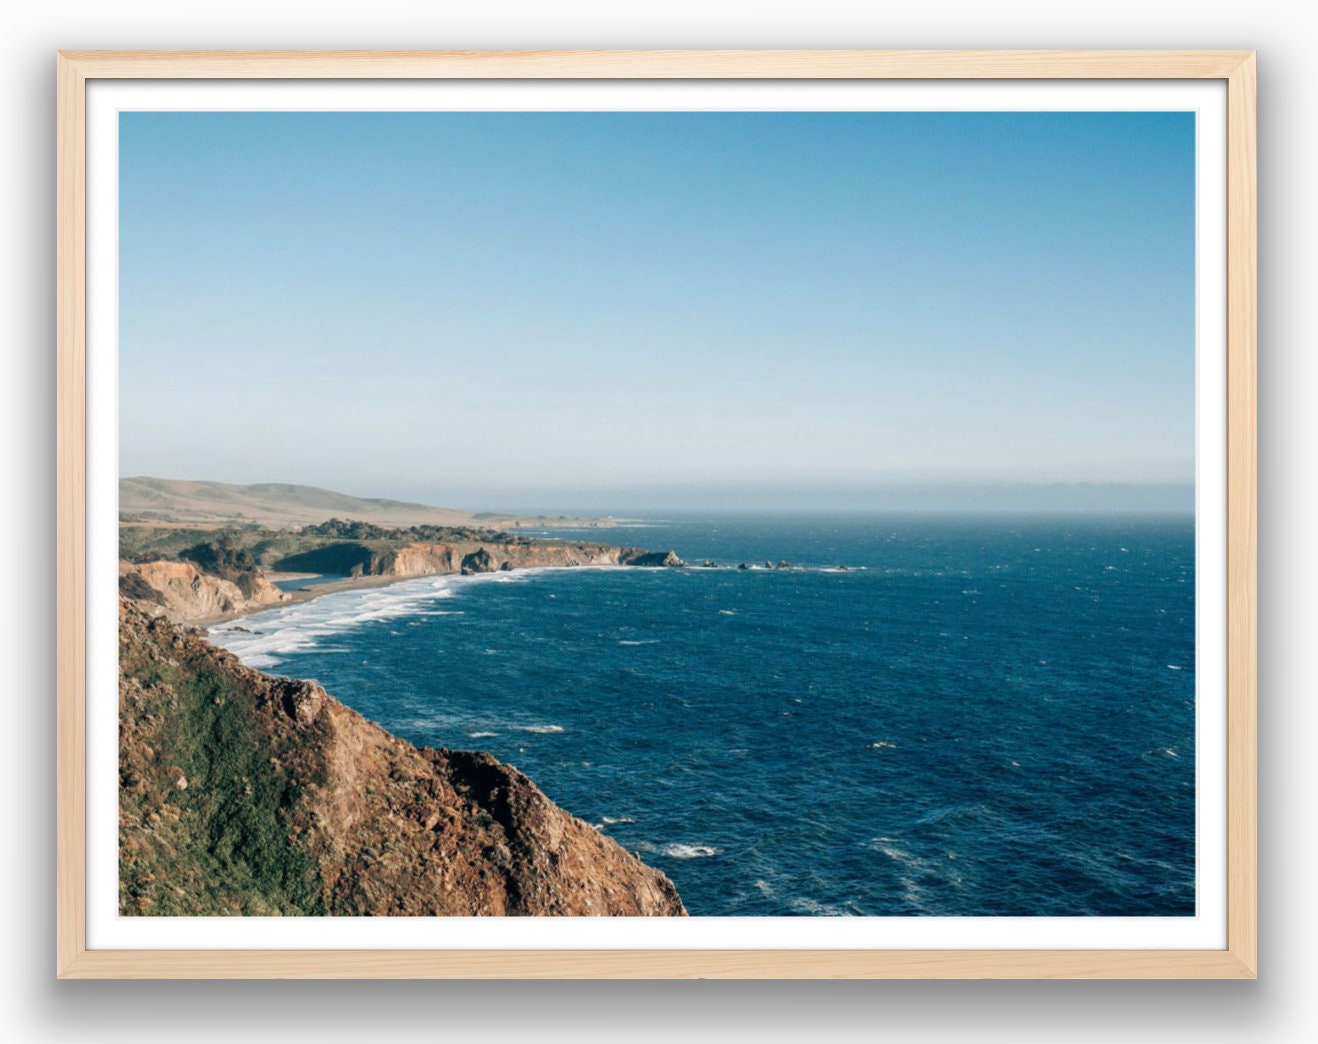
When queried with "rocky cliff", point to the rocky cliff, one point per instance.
{"points": [[424, 558], [241, 793], [186, 594]]}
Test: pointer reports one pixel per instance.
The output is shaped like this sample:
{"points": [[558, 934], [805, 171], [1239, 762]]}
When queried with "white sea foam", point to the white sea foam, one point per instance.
{"points": [[543, 730], [884, 846], [727, 612], [612, 820], [302, 626], [814, 908], [675, 850], [481, 735], [648, 641]]}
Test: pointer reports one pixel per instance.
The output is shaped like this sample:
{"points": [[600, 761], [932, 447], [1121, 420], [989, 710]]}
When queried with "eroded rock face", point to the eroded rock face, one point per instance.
{"points": [[421, 560], [186, 594], [294, 804]]}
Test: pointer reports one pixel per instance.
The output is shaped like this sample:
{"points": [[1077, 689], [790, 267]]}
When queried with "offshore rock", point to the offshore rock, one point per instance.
{"points": [[479, 561], [655, 559]]}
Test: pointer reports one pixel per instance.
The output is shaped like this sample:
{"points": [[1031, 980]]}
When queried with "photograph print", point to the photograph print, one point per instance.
{"points": [[711, 514]]}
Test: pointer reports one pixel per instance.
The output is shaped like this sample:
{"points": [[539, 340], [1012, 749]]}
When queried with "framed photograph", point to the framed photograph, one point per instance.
{"points": [[656, 514]]}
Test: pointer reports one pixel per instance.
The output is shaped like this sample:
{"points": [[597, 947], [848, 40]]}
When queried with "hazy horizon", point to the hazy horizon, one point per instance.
{"points": [[1005, 498], [505, 310]]}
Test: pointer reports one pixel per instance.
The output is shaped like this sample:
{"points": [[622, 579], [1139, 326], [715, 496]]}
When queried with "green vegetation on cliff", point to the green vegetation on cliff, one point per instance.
{"points": [[209, 796], [239, 549]]}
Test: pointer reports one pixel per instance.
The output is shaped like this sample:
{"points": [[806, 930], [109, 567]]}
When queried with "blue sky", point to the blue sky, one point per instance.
{"points": [[552, 309]]}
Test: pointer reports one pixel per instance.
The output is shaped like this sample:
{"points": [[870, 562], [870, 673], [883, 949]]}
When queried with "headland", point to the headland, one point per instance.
{"points": [[247, 794]]}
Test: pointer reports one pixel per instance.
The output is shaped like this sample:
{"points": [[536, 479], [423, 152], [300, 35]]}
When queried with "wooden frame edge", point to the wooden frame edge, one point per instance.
{"points": [[659, 964], [71, 514], [1242, 512], [662, 64], [1240, 957]]}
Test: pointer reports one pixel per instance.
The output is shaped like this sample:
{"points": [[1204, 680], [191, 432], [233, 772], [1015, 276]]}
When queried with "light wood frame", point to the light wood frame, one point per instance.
{"points": [[1237, 960]]}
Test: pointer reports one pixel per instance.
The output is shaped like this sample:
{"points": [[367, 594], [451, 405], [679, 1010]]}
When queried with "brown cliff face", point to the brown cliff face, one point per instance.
{"points": [[422, 558], [241, 793], [186, 594]]}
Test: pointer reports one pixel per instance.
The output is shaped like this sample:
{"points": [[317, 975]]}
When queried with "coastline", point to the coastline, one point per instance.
{"points": [[505, 848], [570, 738], [351, 583]]}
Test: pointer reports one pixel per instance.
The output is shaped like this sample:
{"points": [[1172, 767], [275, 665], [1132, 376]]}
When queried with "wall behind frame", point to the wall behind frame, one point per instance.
{"points": [[1274, 1008]]}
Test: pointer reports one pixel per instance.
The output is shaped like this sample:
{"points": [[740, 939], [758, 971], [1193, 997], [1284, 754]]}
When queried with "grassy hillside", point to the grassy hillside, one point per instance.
{"points": [[283, 505], [210, 796]]}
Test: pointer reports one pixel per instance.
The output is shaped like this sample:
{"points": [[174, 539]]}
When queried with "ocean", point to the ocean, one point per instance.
{"points": [[943, 716]]}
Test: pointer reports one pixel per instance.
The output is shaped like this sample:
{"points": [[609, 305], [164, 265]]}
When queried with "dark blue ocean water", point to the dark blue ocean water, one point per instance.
{"points": [[979, 716]]}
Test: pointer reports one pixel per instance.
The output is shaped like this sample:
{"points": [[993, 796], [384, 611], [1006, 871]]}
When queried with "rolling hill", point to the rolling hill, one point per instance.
{"points": [[282, 505]]}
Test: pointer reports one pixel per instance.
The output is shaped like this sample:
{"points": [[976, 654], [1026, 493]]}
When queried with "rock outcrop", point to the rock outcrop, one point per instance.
{"points": [[186, 594], [420, 560], [655, 559], [479, 561], [242, 793]]}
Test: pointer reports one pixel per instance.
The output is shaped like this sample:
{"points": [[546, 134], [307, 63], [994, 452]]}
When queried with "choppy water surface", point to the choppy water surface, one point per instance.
{"points": [[975, 717]]}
